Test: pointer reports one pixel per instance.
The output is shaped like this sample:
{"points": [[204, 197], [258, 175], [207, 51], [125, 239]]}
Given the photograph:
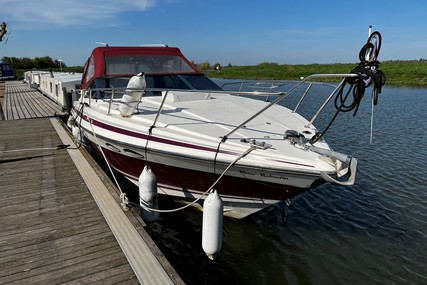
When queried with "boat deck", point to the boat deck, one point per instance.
{"points": [[60, 219], [22, 102]]}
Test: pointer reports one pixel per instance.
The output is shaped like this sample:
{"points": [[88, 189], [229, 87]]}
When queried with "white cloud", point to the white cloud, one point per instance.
{"points": [[65, 13]]}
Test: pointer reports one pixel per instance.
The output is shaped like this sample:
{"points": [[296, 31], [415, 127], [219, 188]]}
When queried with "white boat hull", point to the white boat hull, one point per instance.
{"points": [[245, 189], [151, 106]]}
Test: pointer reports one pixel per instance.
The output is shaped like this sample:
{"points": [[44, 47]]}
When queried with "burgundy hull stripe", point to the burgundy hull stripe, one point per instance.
{"points": [[199, 181], [167, 141]]}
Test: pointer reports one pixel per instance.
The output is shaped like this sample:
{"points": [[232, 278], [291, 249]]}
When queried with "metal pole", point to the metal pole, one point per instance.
{"points": [[325, 103], [372, 118], [302, 98], [158, 112], [111, 102]]}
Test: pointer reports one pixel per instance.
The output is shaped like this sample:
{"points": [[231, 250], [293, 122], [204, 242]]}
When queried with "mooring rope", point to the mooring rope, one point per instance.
{"points": [[125, 201], [80, 114], [123, 198], [368, 73], [250, 149], [60, 146]]}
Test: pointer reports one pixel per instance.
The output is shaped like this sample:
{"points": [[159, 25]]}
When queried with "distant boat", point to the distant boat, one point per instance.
{"points": [[6, 71], [151, 106], [60, 87]]}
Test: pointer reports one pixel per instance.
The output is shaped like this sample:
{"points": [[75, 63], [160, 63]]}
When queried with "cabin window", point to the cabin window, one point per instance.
{"points": [[5, 67], [90, 69], [134, 64]]}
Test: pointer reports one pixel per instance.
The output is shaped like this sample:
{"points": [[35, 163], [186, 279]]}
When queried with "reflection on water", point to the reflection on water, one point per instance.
{"points": [[374, 232]]}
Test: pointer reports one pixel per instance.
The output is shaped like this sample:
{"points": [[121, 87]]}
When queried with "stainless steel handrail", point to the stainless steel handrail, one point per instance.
{"points": [[280, 96], [232, 83]]}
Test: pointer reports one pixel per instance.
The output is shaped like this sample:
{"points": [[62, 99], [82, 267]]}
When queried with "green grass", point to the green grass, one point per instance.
{"points": [[410, 73]]}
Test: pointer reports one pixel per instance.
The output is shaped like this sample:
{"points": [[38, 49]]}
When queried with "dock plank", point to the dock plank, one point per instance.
{"points": [[144, 261], [58, 234], [22, 102], [98, 278], [20, 105], [26, 105], [52, 230]]}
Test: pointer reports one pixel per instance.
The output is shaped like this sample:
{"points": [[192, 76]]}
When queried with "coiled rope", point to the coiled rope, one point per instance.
{"points": [[368, 73]]}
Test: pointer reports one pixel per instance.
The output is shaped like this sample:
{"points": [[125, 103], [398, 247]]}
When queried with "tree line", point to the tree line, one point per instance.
{"points": [[30, 63], [205, 66]]}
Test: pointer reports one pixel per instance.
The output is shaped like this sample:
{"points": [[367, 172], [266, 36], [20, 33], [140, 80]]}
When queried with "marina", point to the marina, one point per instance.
{"points": [[373, 232], [279, 145], [59, 214], [133, 115]]}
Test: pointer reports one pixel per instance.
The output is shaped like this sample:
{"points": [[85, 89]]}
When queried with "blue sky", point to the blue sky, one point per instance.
{"points": [[238, 32]]}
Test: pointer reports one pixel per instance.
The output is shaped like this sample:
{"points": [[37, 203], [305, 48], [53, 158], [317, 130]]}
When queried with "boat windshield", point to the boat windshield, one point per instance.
{"points": [[181, 81], [151, 64], [172, 81]]}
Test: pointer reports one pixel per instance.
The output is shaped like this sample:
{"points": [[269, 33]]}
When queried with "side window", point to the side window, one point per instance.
{"points": [[90, 69]]}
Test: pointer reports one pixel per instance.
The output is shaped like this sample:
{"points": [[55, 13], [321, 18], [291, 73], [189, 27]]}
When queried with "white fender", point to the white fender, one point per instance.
{"points": [[148, 194], [71, 121], [132, 97], [212, 225], [75, 130]]}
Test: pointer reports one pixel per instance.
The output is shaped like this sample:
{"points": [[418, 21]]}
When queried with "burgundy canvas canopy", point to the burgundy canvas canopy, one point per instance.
{"points": [[127, 61]]}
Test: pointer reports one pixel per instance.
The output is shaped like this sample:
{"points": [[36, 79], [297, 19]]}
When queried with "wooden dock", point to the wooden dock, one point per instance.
{"points": [[59, 217], [22, 102]]}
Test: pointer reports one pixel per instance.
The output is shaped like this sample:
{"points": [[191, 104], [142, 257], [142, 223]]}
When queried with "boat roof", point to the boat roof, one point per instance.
{"points": [[68, 77], [109, 61], [61, 76]]}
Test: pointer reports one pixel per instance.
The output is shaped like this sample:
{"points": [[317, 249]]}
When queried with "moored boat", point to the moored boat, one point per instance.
{"points": [[6, 71], [151, 106]]}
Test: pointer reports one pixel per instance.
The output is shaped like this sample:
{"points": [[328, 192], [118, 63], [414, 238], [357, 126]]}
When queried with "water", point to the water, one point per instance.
{"points": [[374, 232]]}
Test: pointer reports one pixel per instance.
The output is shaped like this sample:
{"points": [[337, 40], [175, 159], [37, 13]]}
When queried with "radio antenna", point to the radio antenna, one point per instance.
{"points": [[101, 43]]}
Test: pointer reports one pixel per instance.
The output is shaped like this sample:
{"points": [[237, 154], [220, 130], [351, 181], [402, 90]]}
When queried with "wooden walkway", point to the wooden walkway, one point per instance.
{"points": [[22, 102], [52, 231]]}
